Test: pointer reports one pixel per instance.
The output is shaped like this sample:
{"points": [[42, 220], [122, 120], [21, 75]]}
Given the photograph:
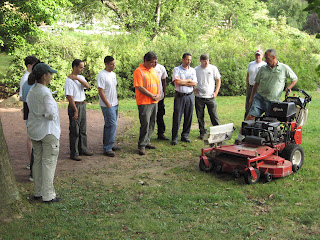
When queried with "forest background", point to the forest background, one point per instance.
{"points": [[230, 31]]}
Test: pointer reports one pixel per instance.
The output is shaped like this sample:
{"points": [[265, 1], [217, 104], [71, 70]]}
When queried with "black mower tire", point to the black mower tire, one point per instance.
{"points": [[203, 167], [295, 154], [236, 173], [218, 169], [267, 177], [249, 179]]}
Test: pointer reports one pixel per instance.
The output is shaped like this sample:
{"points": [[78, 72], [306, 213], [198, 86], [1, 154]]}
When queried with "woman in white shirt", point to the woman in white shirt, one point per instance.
{"points": [[44, 131]]}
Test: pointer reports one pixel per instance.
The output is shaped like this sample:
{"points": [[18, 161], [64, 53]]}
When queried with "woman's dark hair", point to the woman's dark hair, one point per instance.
{"points": [[35, 76], [30, 60]]}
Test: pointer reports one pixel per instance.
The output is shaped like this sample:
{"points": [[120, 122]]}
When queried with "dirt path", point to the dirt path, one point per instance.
{"points": [[16, 134]]}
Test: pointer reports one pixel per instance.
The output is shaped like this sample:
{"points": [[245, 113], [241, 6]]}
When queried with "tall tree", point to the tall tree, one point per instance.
{"points": [[19, 20], [156, 16], [10, 204]]}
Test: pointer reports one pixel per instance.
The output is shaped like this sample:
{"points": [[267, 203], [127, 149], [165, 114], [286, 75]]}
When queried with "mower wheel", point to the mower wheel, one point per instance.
{"points": [[267, 177], [236, 173], [295, 168], [218, 169], [249, 179], [295, 154], [203, 167]]}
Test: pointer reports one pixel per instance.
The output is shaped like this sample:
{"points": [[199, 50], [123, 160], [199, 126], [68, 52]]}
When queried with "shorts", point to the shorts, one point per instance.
{"points": [[259, 106]]}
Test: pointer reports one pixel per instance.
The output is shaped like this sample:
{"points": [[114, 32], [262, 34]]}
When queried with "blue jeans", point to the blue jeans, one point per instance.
{"points": [[259, 106], [110, 126]]}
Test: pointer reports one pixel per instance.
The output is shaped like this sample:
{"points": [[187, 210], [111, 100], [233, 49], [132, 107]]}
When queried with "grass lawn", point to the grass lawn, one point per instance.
{"points": [[164, 195]]}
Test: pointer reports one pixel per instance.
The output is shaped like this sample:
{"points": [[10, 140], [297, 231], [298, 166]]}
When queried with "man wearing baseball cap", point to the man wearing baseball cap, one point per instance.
{"points": [[252, 70], [269, 84]]}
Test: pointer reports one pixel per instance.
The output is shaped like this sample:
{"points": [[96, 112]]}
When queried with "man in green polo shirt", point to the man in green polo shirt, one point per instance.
{"points": [[269, 84]]}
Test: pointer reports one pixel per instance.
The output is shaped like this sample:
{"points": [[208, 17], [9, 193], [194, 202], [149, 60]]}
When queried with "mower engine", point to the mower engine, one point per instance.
{"points": [[270, 129]]}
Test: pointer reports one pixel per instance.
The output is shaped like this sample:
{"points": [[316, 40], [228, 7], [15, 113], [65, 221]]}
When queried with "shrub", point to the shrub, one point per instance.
{"points": [[230, 50]]}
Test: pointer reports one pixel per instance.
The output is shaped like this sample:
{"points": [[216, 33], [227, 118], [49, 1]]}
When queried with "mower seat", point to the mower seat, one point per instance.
{"points": [[283, 111]]}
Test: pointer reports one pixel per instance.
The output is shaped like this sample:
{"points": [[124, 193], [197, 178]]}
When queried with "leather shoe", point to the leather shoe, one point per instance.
{"points": [[150, 146], [109, 153], [162, 137], [56, 199], [76, 158], [87, 153], [186, 140], [116, 148], [142, 151], [174, 143]]}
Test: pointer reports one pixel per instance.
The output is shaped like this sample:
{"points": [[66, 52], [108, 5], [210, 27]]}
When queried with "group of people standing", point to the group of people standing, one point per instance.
{"points": [[265, 82], [149, 82]]}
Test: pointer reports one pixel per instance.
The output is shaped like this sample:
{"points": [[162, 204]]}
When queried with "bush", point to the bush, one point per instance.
{"points": [[230, 50]]}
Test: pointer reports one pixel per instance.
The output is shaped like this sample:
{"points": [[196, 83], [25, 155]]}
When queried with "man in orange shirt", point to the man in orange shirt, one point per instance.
{"points": [[146, 83]]}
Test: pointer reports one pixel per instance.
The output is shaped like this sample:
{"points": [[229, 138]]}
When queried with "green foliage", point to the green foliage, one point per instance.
{"points": [[291, 9], [229, 50], [19, 20], [313, 6]]}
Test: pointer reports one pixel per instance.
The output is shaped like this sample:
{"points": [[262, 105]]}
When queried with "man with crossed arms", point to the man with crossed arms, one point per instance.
{"points": [[74, 91]]}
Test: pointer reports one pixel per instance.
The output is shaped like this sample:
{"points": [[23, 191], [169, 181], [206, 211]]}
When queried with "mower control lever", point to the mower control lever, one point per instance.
{"points": [[307, 96]]}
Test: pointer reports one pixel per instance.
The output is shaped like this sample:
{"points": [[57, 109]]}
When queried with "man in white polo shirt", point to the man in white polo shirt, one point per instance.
{"points": [[162, 74], [185, 79], [74, 91], [209, 82], [108, 101]]}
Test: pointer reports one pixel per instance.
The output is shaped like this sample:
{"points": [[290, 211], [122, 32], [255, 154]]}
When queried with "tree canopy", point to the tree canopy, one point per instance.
{"points": [[19, 20]]}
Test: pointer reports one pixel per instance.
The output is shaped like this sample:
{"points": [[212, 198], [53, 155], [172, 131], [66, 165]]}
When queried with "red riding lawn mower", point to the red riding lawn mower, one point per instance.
{"points": [[271, 147]]}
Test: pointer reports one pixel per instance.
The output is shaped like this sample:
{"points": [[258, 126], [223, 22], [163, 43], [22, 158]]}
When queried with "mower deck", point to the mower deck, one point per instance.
{"points": [[243, 158]]}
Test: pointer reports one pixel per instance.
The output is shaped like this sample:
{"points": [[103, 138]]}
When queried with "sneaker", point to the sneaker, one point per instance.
{"points": [[174, 142], [37, 198], [150, 146], [76, 158], [56, 199], [116, 148], [30, 179], [186, 140], [239, 139], [87, 153], [109, 153], [162, 137], [142, 151]]}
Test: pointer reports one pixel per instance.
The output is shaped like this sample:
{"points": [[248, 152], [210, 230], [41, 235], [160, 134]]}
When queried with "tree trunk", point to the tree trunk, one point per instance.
{"points": [[158, 12], [10, 201], [155, 29]]}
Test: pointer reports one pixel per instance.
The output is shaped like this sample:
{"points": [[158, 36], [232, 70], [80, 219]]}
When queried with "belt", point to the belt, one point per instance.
{"points": [[182, 94], [79, 102]]}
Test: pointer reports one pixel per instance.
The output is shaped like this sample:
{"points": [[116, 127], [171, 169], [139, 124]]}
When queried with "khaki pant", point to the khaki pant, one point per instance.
{"points": [[45, 153]]}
